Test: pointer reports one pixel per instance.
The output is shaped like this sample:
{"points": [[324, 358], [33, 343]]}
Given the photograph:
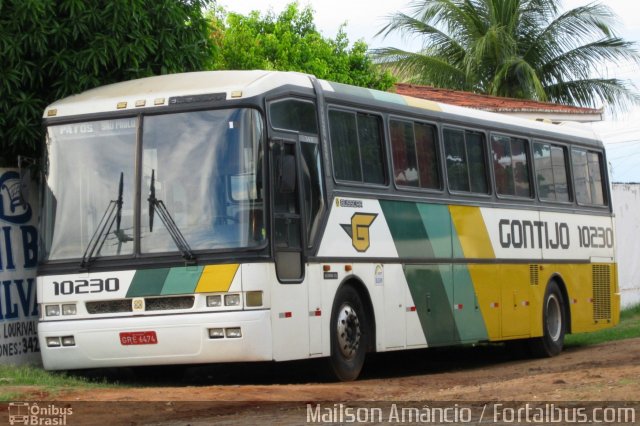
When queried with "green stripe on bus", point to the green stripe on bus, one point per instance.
{"points": [[182, 280], [455, 241], [469, 321], [147, 282], [388, 97], [437, 221], [353, 91], [407, 229], [431, 288]]}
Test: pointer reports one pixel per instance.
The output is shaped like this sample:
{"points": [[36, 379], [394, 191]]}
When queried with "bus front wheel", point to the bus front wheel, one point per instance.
{"points": [[553, 324], [349, 334]]}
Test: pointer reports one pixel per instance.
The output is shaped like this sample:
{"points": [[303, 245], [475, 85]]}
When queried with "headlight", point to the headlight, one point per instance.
{"points": [[69, 309], [53, 342], [214, 301], [216, 333], [52, 310], [68, 341], [233, 333], [232, 300]]}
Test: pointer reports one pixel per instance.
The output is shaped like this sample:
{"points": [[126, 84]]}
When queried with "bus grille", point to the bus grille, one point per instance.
{"points": [[168, 303], [151, 304], [601, 292]]}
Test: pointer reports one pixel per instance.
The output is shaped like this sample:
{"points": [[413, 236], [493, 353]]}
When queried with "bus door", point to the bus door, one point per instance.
{"points": [[288, 294], [287, 218], [299, 205]]}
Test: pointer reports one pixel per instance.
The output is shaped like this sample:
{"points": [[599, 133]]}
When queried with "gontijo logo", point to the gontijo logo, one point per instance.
{"points": [[358, 230]]}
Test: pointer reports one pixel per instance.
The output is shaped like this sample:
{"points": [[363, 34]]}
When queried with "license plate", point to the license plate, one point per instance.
{"points": [[138, 338]]}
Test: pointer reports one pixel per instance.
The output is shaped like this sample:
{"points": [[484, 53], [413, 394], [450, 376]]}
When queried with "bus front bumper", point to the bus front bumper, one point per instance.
{"points": [[156, 340]]}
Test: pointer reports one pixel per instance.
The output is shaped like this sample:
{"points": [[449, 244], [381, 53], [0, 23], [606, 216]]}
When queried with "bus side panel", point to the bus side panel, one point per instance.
{"points": [[593, 301], [470, 323], [488, 291], [432, 292], [289, 318]]}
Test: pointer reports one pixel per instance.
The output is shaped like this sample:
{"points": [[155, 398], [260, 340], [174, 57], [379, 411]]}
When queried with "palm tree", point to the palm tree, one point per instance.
{"points": [[516, 48]]}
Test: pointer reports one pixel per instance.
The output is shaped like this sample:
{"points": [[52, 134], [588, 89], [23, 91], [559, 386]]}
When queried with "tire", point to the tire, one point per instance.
{"points": [[554, 324], [349, 334]]}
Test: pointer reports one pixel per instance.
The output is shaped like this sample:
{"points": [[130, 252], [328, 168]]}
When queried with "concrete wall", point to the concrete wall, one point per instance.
{"points": [[626, 203]]}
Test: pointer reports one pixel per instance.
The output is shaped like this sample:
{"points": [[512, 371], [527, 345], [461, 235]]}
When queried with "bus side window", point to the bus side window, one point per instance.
{"points": [[466, 164], [415, 159], [313, 187], [295, 115], [587, 176], [551, 172], [356, 145], [511, 165]]}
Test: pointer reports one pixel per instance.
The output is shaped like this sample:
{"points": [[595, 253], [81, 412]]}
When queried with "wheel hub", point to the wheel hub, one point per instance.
{"points": [[348, 332], [554, 318]]}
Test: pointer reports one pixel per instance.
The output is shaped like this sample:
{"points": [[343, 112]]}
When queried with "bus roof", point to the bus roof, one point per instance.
{"points": [[156, 91]]}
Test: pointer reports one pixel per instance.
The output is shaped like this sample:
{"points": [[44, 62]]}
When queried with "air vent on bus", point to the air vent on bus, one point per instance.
{"points": [[601, 292], [109, 306], [533, 274], [151, 304], [168, 303]]}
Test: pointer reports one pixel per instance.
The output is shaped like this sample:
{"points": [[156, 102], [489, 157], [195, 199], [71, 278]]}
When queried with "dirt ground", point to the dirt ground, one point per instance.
{"points": [[272, 393]]}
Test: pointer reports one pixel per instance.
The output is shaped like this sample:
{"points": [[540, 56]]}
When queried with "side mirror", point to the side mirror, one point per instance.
{"points": [[287, 174]]}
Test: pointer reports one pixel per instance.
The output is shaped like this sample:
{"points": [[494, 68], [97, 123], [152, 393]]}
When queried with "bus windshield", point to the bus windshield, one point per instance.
{"points": [[207, 172]]}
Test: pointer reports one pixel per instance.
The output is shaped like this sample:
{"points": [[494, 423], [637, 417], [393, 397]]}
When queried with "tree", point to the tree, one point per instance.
{"points": [[516, 48], [53, 48], [291, 42]]}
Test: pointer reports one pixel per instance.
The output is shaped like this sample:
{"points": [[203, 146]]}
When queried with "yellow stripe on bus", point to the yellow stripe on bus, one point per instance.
{"points": [[472, 232], [217, 278], [422, 103]]}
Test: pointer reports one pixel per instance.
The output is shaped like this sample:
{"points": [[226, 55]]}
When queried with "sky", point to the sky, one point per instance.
{"points": [[364, 18]]}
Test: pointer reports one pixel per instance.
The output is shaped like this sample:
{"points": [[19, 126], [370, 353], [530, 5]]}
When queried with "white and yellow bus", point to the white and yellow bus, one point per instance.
{"points": [[255, 216]]}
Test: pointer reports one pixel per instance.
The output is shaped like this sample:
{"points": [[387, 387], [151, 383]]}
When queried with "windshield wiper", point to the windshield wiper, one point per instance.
{"points": [[168, 222], [113, 213]]}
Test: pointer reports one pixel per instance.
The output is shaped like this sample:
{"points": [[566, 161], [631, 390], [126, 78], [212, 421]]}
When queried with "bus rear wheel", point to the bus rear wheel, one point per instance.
{"points": [[349, 334], [553, 324]]}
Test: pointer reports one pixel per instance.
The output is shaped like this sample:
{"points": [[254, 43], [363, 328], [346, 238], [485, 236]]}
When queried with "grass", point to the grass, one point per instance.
{"points": [[47, 381], [629, 327]]}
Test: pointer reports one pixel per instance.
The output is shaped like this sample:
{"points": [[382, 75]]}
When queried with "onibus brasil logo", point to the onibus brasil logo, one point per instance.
{"points": [[33, 414]]}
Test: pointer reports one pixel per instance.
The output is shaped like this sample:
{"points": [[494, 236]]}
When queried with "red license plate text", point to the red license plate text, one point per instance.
{"points": [[138, 338]]}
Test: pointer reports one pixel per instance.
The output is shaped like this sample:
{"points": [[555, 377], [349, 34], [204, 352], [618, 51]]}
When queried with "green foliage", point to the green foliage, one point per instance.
{"points": [[291, 42], [516, 48], [54, 48]]}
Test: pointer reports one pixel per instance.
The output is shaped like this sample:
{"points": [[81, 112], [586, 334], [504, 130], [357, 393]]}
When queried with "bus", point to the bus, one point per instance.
{"points": [[236, 216]]}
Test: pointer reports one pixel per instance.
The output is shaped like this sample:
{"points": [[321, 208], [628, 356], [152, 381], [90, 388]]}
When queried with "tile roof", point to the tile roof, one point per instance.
{"points": [[486, 102]]}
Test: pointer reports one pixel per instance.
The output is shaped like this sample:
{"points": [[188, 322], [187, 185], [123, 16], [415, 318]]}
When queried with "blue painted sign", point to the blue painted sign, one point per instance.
{"points": [[18, 261]]}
